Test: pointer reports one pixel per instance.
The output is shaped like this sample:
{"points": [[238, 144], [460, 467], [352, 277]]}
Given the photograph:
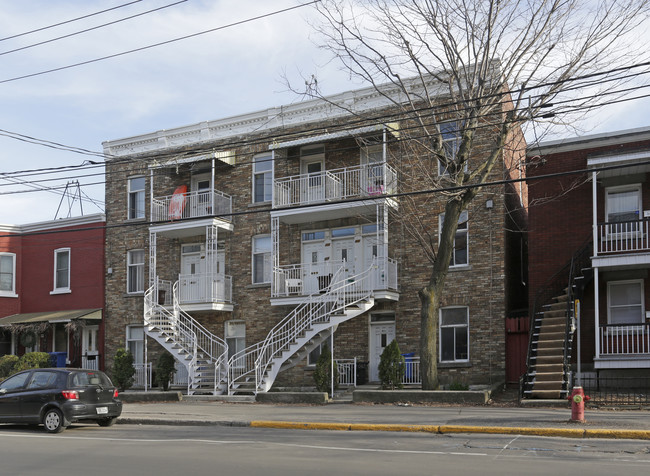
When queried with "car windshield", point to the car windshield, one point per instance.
{"points": [[84, 379]]}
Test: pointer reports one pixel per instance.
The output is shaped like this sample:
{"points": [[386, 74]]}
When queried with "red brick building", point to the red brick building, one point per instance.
{"points": [[589, 256], [52, 289]]}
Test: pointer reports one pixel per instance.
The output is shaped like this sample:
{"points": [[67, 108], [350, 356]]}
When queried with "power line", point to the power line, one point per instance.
{"points": [[90, 29], [68, 21], [162, 43]]}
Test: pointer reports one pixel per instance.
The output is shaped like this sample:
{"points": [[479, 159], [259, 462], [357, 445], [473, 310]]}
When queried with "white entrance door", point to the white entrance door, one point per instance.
{"points": [[344, 251], [313, 182], [201, 199], [381, 334], [191, 288], [372, 250], [372, 176], [89, 348], [314, 269]]}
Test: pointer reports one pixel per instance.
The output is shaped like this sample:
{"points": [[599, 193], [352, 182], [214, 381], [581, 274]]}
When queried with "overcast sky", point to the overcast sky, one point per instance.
{"points": [[224, 73]]}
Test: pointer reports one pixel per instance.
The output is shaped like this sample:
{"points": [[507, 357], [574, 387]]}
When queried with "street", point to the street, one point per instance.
{"points": [[174, 450]]}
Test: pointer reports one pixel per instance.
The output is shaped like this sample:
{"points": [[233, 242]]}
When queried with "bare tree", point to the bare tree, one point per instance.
{"points": [[472, 65]]}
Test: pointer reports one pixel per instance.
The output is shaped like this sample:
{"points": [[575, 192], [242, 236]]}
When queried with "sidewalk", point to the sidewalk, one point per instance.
{"points": [[629, 424]]}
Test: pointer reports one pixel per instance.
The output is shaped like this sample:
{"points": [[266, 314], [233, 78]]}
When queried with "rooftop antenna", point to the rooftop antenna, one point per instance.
{"points": [[72, 193]]}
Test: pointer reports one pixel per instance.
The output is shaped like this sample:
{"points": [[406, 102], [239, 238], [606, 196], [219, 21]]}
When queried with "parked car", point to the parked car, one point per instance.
{"points": [[58, 397]]}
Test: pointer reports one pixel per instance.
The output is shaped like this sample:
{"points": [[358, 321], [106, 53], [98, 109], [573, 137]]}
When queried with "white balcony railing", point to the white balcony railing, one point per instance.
{"points": [[338, 184], [625, 340], [191, 205], [622, 237], [204, 288], [412, 371], [142, 375], [347, 370], [314, 278]]}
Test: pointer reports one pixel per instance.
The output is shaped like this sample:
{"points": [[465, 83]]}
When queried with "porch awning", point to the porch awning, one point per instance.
{"points": [[393, 128], [52, 316], [225, 156]]}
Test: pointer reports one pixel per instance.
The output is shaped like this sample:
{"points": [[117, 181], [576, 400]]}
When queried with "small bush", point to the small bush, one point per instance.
{"points": [[322, 373], [458, 386], [123, 370], [165, 369], [7, 365], [391, 367], [33, 360]]}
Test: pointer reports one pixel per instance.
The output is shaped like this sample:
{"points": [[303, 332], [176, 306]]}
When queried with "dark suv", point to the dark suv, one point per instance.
{"points": [[58, 397]]}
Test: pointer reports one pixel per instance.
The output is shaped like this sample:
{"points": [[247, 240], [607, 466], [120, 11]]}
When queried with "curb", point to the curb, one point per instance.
{"points": [[395, 427]]}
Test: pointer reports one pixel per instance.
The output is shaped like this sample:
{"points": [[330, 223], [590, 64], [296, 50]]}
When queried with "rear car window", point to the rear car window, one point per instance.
{"points": [[84, 379]]}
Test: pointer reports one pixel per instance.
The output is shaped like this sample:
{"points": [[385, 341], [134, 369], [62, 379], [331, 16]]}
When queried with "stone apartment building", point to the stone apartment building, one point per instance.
{"points": [[242, 245]]}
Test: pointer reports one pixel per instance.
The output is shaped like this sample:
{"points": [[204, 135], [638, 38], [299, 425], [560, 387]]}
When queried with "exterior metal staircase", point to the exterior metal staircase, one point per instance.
{"points": [[255, 368], [548, 374], [203, 354]]}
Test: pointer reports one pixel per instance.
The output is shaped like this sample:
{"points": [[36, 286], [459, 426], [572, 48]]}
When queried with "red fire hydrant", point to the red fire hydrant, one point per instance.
{"points": [[578, 399]]}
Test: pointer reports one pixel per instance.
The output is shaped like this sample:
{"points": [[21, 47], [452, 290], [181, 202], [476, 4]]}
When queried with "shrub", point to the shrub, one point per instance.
{"points": [[391, 367], [165, 369], [458, 386], [322, 374], [33, 360], [7, 365], [123, 370]]}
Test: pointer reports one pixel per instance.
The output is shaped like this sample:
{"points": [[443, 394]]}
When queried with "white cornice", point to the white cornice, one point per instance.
{"points": [[306, 112], [54, 224]]}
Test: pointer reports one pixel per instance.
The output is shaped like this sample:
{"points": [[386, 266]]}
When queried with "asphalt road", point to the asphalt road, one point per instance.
{"points": [[178, 450]]}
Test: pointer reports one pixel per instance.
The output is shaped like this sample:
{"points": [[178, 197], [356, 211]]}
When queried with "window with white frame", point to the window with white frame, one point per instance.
{"points": [[460, 255], [7, 274], [315, 354], [450, 132], [623, 204], [135, 271], [262, 259], [135, 343], [61, 270], [262, 178], [454, 334], [625, 302], [136, 197], [235, 333]]}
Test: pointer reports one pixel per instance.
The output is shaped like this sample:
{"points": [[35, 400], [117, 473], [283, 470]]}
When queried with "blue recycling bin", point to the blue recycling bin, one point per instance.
{"points": [[408, 358], [58, 358]]}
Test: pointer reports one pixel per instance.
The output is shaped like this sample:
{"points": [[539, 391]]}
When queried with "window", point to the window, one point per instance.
{"points": [[625, 302], [454, 334], [312, 359], [460, 255], [61, 270], [450, 132], [261, 259], [623, 204], [135, 271], [16, 382], [135, 343], [235, 337], [262, 178], [136, 198], [7, 274]]}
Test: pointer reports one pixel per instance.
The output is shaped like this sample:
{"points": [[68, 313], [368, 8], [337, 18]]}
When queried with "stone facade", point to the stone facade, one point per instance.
{"points": [[485, 285]]}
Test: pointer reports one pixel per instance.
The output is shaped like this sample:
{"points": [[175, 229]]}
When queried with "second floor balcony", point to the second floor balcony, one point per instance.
{"points": [[196, 204], [624, 236], [360, 181]]}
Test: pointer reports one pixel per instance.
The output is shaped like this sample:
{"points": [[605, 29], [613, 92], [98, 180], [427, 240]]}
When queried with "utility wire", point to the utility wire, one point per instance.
{"points": [[90, 29], [68, 21], [167, 42]]}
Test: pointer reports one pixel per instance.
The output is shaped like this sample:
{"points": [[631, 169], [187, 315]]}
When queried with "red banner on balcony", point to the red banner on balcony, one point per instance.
{"points": [[177, 203]]}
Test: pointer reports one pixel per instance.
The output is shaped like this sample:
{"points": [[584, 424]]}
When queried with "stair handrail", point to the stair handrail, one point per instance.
{"points": [[343, 292], [215, 348], [551, 288]]}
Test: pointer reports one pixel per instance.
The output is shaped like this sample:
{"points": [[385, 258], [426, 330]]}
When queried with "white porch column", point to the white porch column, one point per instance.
{"points": [[275, 254], [212, 188], [597, 312], [152, 258], [594, 208]]}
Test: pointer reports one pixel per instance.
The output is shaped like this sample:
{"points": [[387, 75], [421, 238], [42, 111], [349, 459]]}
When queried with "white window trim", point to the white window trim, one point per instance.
{"points": [[11, 293], [623, 188], [440, 327], [128, 198], [267, 156], [127, 340], [253, 253], [67, 289], [128, 266], [227, 336], [442, 171], [441, 219], [609, 306]]}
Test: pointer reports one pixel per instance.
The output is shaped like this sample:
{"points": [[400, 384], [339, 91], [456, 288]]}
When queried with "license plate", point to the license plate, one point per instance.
{"points": [[102, 410]]}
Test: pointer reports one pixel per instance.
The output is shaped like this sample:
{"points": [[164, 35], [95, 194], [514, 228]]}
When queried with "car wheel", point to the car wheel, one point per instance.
{"points": [[106, 421], [53, 421]]}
